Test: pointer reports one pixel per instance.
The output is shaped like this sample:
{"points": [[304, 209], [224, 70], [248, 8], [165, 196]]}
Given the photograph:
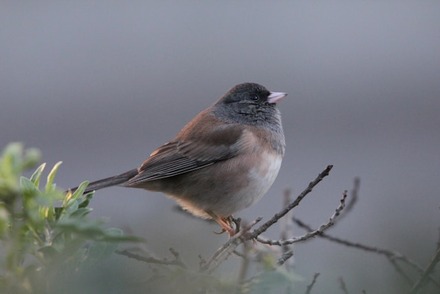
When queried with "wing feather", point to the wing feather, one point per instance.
{"points": [[190, 154]]}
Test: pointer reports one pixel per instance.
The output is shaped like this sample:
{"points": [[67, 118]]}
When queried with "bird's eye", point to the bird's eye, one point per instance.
{"points": [[255, 97]]}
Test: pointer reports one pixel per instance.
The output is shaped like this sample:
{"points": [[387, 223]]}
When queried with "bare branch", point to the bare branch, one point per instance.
{"points": [[292, 205], [400, 271], [310, 234], [419, 284], [286, 231], [310, 286], [286, 256], [244, 267], [391, 255], [438, 241], [176, 261], [354, 197], [342, 285], [228, 248]]}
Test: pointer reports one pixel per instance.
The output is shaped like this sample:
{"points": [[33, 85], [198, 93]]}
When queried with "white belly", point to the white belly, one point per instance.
{"points": [[224, 201], [260, 182]]}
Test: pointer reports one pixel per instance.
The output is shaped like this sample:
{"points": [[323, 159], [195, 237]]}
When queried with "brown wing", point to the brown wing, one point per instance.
{"points": [[190, 153]]}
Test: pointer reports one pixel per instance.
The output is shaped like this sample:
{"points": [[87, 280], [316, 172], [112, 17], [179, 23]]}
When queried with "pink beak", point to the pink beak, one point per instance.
{"points": [[275, 97]]}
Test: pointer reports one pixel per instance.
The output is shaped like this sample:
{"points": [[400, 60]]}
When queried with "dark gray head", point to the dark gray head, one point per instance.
{"points": [[252, 104]]}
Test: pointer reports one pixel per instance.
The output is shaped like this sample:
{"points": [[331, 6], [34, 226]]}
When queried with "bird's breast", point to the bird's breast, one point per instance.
{"points": [[261, 177]]}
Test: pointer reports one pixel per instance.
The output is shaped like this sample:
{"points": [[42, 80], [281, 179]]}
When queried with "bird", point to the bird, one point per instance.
{"points": [[222, 161]]}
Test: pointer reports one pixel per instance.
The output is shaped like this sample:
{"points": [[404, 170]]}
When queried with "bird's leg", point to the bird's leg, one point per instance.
{"points": [[224, 222]]}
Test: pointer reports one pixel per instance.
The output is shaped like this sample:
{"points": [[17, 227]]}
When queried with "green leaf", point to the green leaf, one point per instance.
{"points": [[81, 212], [39, 240], [27, 185], [12, 157], [86, 199], [15, 160], [90, 230], [50, 178], [116, 234], [93, 230], [58, 211], [70, 207], [35, 178], [75, 195], [4, 220]]}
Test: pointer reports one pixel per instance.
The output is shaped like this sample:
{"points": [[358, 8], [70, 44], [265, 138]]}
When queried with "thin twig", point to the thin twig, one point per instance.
{"points": [[292, 205], [419, 284], [287, 230], [244, 267], [400, 271], [354, 197], [286, 256], [438, 240], [310, 286], [310, 234], [393, 255], [342, 285], [176, 261], [227, 249]]}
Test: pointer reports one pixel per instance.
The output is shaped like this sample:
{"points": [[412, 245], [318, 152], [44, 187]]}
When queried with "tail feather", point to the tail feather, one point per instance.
{"points": [[110, 181]]}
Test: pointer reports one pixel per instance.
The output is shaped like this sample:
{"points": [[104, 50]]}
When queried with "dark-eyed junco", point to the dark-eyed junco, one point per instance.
{"points": [[222, 161]]}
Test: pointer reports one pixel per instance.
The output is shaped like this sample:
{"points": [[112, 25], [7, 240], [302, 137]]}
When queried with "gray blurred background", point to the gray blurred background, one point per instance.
{"points": [[100, 84]]}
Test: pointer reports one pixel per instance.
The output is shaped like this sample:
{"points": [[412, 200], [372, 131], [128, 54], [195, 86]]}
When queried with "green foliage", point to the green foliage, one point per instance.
{"points": [[48, 244], [45, 234]]}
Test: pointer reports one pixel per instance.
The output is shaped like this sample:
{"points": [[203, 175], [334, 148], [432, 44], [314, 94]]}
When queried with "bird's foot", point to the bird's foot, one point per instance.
{"points": [[228, 224]]}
